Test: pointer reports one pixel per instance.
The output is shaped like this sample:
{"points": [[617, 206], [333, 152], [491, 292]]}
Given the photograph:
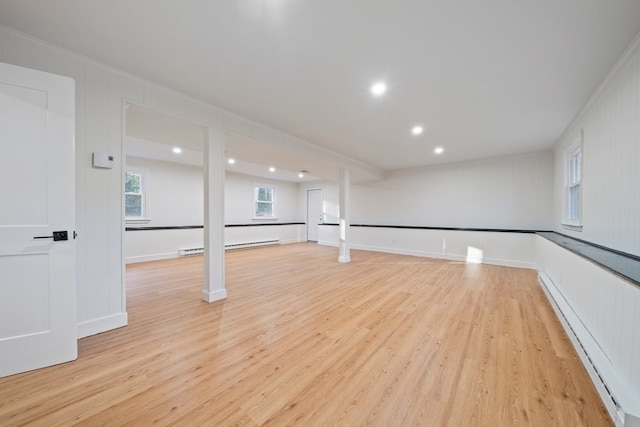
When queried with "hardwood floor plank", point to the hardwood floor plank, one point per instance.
{"points": [[302, 340]]}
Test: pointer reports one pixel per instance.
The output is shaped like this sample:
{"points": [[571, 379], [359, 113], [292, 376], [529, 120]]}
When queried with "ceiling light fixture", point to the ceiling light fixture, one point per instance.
{"points": [[438, 150], [272, 169], [177, 150], [301, 175], [231, 161], [417, 130], [378, 89]]}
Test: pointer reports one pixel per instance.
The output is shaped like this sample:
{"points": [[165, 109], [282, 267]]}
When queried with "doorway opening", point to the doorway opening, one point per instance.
{"points": [[164, 186]]}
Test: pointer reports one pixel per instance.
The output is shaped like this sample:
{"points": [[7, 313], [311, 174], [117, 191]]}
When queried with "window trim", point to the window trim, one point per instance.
{"points": [[575, 149], [144, 184], [274, 202]]}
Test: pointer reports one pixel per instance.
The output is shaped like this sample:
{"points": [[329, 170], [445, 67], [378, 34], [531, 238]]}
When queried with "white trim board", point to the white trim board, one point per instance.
{"points": [[102, 324]]}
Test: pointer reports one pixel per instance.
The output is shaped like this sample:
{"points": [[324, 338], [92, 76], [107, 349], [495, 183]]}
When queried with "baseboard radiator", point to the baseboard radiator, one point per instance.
{"points": [[245, 245], [255, 244], [593, 359], [191, 251]]}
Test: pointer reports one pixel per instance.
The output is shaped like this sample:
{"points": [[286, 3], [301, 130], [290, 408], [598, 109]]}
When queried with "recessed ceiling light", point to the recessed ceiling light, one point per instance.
{"points": [[231, 161], [177, 150], [417, 130], [300, 175], [272, 169], [438, 150], [378, 88]]}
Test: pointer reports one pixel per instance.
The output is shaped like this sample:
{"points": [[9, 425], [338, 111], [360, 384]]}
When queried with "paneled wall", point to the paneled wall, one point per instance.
{"points": [[610, 125], [99, 95], [604, 312]]}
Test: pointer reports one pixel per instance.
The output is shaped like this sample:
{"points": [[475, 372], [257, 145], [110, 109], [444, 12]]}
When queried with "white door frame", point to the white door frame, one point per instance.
{"points": [[316, 225]]}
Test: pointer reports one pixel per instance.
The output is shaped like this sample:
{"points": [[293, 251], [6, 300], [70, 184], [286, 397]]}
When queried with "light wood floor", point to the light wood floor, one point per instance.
{"points": [[386, 340]]}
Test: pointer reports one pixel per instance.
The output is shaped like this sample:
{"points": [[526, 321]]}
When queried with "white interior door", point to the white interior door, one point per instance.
{"points": [[37, 199], [314, 214]]}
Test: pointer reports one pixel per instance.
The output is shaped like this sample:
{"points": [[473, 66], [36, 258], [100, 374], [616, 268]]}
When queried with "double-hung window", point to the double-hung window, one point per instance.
{"points": [[264, 201], [135, 193], [573, 215]]}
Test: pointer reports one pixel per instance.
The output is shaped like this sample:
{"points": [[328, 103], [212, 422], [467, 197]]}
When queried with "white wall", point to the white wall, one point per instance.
{"points": [[501, 193], [239, 199], [611, 161], [175, 198], [175, 195], [291, 233], [175, 192], [486, 247], [153, 245], [506, 193]]}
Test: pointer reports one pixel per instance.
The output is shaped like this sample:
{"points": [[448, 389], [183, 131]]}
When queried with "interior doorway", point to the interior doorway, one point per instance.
{"points": [[314, 214], [164, 185]]}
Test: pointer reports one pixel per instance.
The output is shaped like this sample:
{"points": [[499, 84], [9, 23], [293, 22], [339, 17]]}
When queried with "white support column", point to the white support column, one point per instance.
{"points": [[345, 216], [213, 285]]}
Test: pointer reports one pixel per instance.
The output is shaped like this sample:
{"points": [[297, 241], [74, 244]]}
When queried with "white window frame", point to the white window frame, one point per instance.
{"points": [[274, 195], [574, 173], [144, 192]]}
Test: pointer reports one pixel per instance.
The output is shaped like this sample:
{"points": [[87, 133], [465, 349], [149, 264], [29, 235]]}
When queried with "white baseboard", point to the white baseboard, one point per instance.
{"points": [[328, 243], [530, 265], [102, 324], [151, 257], [619, 401], [452, 257], [288, 242], [215, 295]]}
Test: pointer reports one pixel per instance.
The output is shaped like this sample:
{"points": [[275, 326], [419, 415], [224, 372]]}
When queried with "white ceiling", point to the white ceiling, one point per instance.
{"points": [[145, 123], [153, 134], [485, 78]]}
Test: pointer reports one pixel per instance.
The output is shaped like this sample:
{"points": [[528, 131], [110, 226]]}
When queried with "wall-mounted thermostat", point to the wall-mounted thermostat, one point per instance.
{"points": [[102, 160]]}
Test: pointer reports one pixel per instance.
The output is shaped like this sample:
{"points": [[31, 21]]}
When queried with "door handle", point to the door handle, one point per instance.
{"points": [[57, 236]]}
